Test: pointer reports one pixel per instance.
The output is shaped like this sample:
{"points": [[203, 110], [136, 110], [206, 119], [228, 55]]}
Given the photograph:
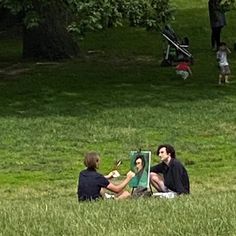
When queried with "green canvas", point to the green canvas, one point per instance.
{"points": [[140, 164]]}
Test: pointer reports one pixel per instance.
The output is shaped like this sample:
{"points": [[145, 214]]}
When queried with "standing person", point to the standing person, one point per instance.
{"points": [[183, 69], [170, 175], [91, 184], [217, 22], [221, 57]]}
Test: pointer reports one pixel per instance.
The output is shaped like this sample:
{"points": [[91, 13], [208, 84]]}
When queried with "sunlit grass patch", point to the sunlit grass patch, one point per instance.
{"points": [[114, 101]]}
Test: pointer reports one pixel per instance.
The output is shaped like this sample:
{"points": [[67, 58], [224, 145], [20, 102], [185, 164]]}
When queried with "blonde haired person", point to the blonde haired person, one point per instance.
{"points": [[91, 184]]}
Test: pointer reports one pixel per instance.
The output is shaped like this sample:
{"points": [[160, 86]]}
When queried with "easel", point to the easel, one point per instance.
{"points": [[145, 156]]}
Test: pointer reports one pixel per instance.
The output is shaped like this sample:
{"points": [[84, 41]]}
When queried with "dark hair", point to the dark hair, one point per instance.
{"points": [[222, 44], [91, 159], [140, 156], [169, 149]]}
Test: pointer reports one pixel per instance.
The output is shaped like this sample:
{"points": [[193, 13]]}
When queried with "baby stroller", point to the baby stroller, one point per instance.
{"points": [[176, 50]]}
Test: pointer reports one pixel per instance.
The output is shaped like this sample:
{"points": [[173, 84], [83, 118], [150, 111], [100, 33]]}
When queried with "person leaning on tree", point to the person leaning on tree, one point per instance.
{"points": [[169, 175]]}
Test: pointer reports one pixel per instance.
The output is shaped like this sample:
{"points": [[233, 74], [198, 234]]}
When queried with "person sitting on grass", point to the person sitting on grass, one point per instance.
{"points": [[183, 69], [221, 57], [169, 176], [91, 184]]}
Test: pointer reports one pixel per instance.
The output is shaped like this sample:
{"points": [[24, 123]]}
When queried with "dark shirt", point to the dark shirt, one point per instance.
{"points": [[216, 14], [89, 185], [175, 176]]}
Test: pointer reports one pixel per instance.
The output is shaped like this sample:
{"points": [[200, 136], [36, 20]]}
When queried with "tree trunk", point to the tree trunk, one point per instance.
{"points": [[50, 40], [6, 19]]}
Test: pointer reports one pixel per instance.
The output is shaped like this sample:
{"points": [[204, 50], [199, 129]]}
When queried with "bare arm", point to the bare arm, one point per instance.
{"points": [[112, 174], [121, 186], [189, 71], [228, 50], [109, 176]]}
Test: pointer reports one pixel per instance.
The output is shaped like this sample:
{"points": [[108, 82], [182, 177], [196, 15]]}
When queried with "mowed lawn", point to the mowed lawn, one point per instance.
{"points": [[114, 99]]}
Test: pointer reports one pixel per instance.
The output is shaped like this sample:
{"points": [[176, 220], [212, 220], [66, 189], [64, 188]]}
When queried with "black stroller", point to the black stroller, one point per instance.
{"points": [[177, 50]]}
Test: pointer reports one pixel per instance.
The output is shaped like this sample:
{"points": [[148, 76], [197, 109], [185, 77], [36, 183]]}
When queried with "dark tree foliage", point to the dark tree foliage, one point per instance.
{"points": [[50, 38], [50, 26]]}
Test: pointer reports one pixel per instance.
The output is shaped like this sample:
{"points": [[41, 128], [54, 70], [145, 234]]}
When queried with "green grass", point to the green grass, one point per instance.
{"points": [[114, 101], [195, 215]]}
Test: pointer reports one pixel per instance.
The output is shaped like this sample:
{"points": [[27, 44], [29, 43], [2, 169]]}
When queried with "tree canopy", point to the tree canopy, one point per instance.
{"points": [[52, 20], [95, 14]]}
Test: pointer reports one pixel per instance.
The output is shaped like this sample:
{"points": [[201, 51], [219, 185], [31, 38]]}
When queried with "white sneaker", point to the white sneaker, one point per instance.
{"points": [[108, 196], [165, 195]]}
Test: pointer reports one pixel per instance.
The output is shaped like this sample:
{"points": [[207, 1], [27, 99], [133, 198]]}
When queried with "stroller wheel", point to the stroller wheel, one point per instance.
{"points": [[166, 63]]}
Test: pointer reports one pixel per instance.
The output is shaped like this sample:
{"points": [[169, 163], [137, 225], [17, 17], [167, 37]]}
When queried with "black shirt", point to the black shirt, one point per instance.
{"points": [[175, 176], [89, 184]]}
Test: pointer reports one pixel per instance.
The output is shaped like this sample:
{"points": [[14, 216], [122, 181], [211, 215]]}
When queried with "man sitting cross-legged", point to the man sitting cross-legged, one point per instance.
{"points": [[169, 176]]}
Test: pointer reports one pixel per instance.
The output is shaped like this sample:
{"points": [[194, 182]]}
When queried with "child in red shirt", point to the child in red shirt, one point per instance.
{"points": [[183, 69]]}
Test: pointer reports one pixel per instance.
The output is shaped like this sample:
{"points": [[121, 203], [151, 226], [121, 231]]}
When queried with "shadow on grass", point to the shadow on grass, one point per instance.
{"points": [[115, 78], [81, 88]]}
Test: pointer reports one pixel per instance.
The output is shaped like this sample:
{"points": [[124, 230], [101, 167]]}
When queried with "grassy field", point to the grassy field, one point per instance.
{"points": [[196, 215], [115, 100]]}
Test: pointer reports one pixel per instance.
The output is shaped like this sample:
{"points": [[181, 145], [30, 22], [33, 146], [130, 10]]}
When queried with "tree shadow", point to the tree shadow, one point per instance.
{"points": [[123, 80]]}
